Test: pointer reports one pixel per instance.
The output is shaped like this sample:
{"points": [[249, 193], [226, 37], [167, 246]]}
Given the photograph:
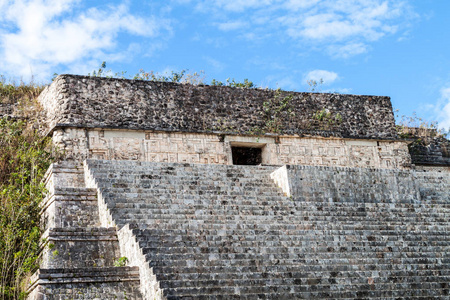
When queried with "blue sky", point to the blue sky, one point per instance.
{"points": [[375, 47]]}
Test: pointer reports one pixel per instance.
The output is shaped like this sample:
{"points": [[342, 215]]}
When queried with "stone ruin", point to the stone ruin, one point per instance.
{"points": [[175, 191]]}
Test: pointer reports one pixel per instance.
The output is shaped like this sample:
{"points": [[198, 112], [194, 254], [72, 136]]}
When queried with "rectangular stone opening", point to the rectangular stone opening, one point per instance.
{"points": [[246, 155]]}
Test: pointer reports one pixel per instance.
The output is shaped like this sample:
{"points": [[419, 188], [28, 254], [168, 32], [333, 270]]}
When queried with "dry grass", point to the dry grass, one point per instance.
{"points": [[13, 92]]}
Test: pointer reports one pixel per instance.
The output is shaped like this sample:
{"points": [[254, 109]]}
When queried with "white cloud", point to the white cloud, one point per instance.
{"points": [[445, 93], [287, 83], [343, 90], [442, 109], [300, 4], [321, 75], [347, 50], [48, 33], [228, 26], [344, 27], [217, 65], [240, 5], [265, 64]]}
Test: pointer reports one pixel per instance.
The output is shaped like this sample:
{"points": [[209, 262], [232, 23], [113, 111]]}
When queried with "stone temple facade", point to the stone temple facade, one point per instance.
{"points": [[175, 191]]}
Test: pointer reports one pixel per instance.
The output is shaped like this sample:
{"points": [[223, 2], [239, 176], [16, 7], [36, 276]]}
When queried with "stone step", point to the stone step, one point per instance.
{"points": [[292, 245], [278, 221], [304, 284], [253, 179], [240, 258], [200, 197], [195, 178], [208, 189], [248, 257], [294, 248], [259, 243], [286, 204], [307, 223], [307, 291], [407, 207], [185, 179], [161, 175], [435, 210], [320, 289], [67, 165], [416, 294], [338, 268], [208, 214], [203, 199], [227, 208], [94, 274], [224, 250], [231, 210], [121, 206], [413, 201], [284, 228], [80, 248], [204, 217], [210, 194], [117, 177], [190, 198], [332, 277], [193, 186], [280, 236], [79, 231], [303, 222], [263, 203], [75, 191], [279, 232], [74, 196], [215, 191], [91, 283], [269, 234], [191, 190]]}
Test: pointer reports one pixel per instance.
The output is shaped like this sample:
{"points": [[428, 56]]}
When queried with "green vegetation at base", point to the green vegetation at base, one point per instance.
{"points": [[24, 158], [121, 262]]}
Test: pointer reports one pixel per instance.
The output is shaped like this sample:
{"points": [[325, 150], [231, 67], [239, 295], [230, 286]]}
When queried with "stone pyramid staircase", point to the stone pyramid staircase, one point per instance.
{"points": [[78, 254], [228, 232]]}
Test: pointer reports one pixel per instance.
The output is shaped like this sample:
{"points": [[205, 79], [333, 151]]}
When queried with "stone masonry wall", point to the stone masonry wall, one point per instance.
{"points": [[80, 144], [337, 184], [428, 147], [434, 186], [92, 102]]}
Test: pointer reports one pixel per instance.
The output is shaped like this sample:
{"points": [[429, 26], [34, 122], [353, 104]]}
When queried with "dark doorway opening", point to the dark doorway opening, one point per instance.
{"points": [[246, 156]]}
